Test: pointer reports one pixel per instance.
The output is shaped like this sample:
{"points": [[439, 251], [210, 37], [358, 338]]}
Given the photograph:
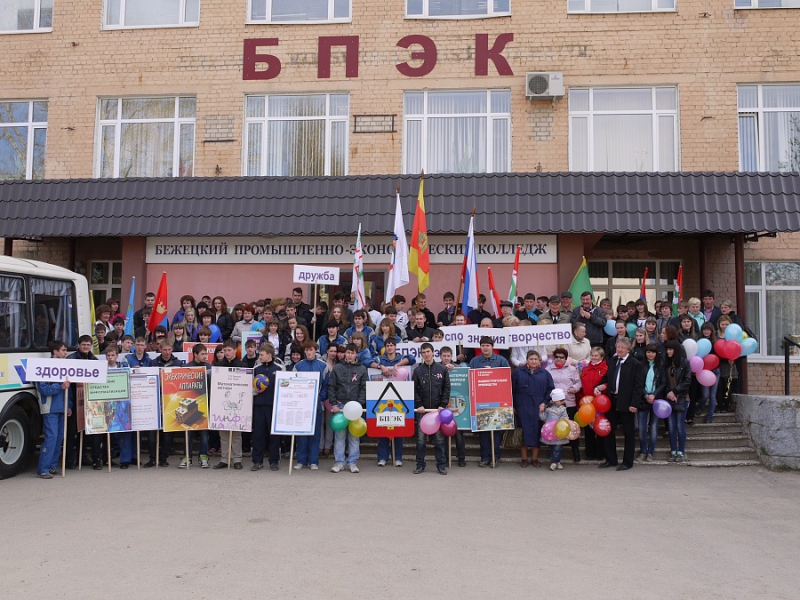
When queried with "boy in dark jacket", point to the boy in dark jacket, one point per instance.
{"points": [[348, 381], [51, 396], [263, 404], [431, 392]]}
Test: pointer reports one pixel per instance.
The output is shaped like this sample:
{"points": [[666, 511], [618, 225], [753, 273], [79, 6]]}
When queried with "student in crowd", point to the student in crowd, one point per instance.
{"points": [[52, 406], [113, 304], [622, 333], [164, 359], [708, 395], [728, 371], [528, 312], [431, 392], [222, 317], [487, 359], [677, 379], [446, 316], [199, 359], [359, 325], [385, 332], [332, 338], [232, 438], [430, 319], [177, 337], [446, 358], [139, 356], [651, 330], [263, 405], [664, 318], [84, 352], [531, 387], [348, 381], [653, 389], [139, 318], [126, 344], [477, 315], [420, 332], [593, 317], [364, 355], [308, 445]]}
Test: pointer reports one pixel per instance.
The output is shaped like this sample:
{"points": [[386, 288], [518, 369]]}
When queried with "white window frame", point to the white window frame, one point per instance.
{"points": [[489, 115], [588, 9], [490, 13], [32, 126], [268, 20], [181, 21], [118, 121], [328, 118], [37, 14], [754, 5], [590, 114], [760, 355], [107, 287], [655, 291], [761, 136]]}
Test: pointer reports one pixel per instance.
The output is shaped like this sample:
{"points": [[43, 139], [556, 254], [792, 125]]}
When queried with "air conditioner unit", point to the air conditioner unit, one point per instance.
{"points": [[544, 85]]}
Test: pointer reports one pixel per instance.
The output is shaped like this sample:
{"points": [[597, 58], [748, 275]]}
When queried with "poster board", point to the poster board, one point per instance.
{"points": [[250, 335], [459, 398], [491, 404], [403, 374], [296, 408], [145, 399], [184, 394], [231, 405], [107, 406], [210, 346], [61, 369], [390, 409]]}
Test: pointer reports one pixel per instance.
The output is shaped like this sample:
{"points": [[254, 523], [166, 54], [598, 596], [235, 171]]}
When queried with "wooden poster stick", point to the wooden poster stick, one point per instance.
{"points": [[450, 452], [64, 441], [230, 447], [492, 434], [80, 452], [188, 458], [108, 450], [291, 455], [158, 448], [138, 451]]}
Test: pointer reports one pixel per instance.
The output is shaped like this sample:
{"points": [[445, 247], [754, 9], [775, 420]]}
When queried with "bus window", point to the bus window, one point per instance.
{"points": [[54, 312], [13, 313]]}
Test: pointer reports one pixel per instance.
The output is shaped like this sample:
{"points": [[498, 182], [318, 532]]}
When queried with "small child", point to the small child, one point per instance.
{"points": [[554, 411]]}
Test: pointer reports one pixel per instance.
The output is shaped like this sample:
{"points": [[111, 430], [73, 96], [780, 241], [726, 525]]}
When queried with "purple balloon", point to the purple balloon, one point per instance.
{"points": [[448, 429], [445, 416], [430, 423], [696, 363], [706, 378], [662, 409]]}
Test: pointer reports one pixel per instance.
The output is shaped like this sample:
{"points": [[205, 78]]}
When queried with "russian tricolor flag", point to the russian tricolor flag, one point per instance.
{"points": [[469, 300]]}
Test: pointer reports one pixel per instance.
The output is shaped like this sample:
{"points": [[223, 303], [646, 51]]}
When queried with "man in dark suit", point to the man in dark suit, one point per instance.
{"points": [[626, 389]]}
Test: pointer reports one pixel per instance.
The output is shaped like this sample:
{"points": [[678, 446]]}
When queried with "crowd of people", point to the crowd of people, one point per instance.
{"points": [[642, 361]]}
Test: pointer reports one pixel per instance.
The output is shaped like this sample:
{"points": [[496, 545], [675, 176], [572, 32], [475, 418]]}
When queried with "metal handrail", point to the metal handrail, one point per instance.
{"points": [[787, 343]]}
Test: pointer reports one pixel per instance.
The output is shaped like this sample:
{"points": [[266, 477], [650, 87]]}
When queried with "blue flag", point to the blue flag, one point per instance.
{"points": [[129, 314]]}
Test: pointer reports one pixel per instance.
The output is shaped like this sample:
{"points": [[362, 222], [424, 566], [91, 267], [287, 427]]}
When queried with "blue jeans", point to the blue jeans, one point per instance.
{"points": [[353, 447], [709, 395], [677, 431], [555, 453], [203, 433], [53, 426], [384, 448], [648, 424], [308, 445], [438, 447]]}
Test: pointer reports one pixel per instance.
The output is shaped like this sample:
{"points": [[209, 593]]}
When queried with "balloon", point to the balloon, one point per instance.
{"points": [[216, 334], [402, 374], [580, 422], [602, 426], [703, 347], [448, 429], [358, 428], [602, 403], [562, 429], [745, 336], [548, 432], [586, 413], [721, 348], [574, 431], [696, 363], [706, 378], [733, 349], [631, 328], [352, 410], [586, 400], [339, 422], [662, 409], [749, 345], [710, 362], [733, 333], [691, 348], [445, 416], [610, 327], [430, 423]]}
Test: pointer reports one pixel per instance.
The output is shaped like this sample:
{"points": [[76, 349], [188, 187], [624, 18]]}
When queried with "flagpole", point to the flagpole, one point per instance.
{"points": [[461, 285]]}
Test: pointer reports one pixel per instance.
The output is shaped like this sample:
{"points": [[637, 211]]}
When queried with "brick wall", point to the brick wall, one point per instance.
{"points": [[769, 379], [54, 251]]}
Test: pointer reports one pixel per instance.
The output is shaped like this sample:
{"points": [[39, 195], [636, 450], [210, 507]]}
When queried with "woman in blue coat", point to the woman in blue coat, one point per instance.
{"points": [[531, 386]]}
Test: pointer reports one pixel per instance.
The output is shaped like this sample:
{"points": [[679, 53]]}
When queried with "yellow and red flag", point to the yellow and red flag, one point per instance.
{"points": [[419, 261]]}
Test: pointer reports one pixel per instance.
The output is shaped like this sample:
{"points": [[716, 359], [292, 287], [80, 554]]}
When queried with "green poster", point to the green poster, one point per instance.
{"points": [[459, 397]]}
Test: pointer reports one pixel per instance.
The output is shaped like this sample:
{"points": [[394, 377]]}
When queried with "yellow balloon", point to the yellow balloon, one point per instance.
{"points": [[358, 428], [562, 429], [745, 336]]}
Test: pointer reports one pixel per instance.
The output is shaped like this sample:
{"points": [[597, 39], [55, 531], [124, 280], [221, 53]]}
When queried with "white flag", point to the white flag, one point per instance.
{"points": [[398, 268], [358, 275]]}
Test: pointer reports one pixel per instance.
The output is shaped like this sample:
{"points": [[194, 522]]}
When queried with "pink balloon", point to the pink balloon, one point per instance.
{"points": [[430, 423], [696, 363], [449, 429], [548, 432], [402, 374], [706, 378]]}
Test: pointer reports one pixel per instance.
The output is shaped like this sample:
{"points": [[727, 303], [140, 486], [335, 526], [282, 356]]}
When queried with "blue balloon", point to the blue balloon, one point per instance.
{"points": [[611, 327], [216, 334], [733, 333], [631, 327], [703, 347], [749, 345]]}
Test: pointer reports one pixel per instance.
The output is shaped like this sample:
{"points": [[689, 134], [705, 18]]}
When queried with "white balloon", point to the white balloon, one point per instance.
{"points": [[691, 348], [352, 410]]}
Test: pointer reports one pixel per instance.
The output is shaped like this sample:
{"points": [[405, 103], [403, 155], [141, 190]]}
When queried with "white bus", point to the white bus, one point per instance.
{"points": [[39, 303]]}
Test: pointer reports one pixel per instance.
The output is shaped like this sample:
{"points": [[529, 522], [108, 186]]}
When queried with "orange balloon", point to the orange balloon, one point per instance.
{"points": [[586, 400], [586, 413]]}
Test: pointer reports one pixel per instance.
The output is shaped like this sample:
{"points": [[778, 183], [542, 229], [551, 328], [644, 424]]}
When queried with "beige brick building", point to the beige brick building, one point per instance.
{"points": [[717, 90]]}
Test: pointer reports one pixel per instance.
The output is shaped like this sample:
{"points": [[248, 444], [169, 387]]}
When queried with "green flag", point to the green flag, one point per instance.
{"points": [[581, 283]]}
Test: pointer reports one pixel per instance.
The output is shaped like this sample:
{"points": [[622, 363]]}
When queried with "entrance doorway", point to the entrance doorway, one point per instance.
{"points": [[374, 287]]}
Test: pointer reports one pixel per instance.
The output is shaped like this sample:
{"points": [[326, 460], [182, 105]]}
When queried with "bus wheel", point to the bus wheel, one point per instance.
{"points": [[15, 442]]}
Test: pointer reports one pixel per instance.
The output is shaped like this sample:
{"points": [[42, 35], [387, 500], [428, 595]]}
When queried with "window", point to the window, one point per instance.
{"points": [[294, 136], [13, 313], [619, 6], [767, 3], [456, 9], [769, 128], [299, 11], [621, 280], [457, 132], [105, 281], [624, 130], [54, 313], [23, 133], [151, 13], [26, 16], [146, 137], [772, 294]]}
